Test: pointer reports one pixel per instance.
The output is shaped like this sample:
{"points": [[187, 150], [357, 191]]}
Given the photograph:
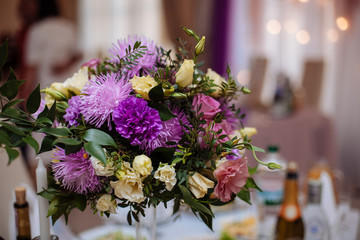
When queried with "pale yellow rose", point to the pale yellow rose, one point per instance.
{"points": [[143, 85], [199, 185], [105, 204], [77, 82], [100, 169], [49, 100], [125, 169], [248, 131], [166, 173], [129, 187], [218, 80], [184, 76], [142, 165]]}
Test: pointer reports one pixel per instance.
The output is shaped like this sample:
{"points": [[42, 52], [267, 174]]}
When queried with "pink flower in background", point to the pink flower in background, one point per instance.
{"points": [[92, 64], [231, 177], [209, 106]]}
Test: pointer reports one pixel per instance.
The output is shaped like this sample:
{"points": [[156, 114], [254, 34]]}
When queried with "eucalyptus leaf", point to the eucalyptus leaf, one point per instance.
{"points": [[95, 150], [100, 137], [33, 102]]}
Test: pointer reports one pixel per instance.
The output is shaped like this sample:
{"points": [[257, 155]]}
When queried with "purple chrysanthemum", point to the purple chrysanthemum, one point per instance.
{"points": [[144, 64], [172, 131], [136, 121], [73, 111], [101, 96], [75, 172]]}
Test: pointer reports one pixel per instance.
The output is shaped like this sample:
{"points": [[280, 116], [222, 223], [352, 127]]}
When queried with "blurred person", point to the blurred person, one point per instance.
{"points": [[51, 53]]}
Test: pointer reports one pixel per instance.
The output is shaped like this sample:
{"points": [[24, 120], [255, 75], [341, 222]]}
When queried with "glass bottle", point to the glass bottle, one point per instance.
{"points": [[289, 223], [316, 224], [22, 214]]}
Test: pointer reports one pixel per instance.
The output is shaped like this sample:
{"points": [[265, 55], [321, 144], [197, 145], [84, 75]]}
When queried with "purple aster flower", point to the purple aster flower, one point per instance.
{"points": [[144, 64], [102, 95], [234, 157], [172, 131], [136, 121], [75, 171], [73, 111]]}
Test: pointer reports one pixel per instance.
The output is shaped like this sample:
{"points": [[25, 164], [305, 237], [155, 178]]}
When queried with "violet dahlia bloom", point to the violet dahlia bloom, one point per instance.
{"points": [[101, 96], [136, 121], [144, 64], [172, 131], [73, 111], [75, 171]]}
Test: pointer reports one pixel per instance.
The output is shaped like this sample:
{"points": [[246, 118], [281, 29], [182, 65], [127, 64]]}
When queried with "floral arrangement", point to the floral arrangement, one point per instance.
{"points": [[138, 128]]}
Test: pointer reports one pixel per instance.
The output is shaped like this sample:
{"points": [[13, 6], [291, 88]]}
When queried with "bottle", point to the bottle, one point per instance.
{"points": [[316, 224], [22, 214], [289, 223], [271, 182]]}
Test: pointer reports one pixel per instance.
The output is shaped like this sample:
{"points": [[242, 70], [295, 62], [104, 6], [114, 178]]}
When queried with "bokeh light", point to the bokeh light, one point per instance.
{"points": [[273, 27], [302, 37]]}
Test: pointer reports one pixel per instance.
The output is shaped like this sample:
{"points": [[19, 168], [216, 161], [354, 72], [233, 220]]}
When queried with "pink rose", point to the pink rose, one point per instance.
{"points": [[92, 64], [209, 106], [231, 177], [226, 130]]}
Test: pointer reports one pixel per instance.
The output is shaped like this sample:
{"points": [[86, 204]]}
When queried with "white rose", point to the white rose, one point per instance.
{"points": [[184, 76], [218, 80], [199, 185], [129, 187], [76, 83], [142, 165], [143, 85], [248, 131], [166, 174], [105, 204], [100, 169]]}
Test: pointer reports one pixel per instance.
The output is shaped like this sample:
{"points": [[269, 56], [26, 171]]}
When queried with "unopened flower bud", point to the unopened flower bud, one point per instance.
{"points": [[199, 48], [57, 95], [191, 33], [273, 166]]}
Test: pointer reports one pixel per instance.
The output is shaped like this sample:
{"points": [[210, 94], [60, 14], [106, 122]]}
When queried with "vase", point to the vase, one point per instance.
{"points": [[147, 223]]}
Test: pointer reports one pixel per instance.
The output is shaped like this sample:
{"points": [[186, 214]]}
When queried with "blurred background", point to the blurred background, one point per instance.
{"points": [[300, 58]]}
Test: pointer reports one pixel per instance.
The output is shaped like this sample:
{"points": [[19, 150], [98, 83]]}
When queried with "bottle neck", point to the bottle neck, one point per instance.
{"points": [[291, 189]]}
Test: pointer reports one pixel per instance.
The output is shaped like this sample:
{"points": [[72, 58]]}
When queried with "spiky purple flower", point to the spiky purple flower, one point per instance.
{"points": [[101, 96], [75, 171], [172, 131], [136, 121], [144, 64], [73, 111]]}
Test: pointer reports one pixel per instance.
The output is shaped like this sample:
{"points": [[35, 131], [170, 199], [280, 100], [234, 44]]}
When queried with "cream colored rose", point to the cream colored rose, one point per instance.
{"points": [[129, 187], [143, 85], [142, 165], [248, 131], [166, 173], [184, 76], [125, 169], [199, 185], [76, 83], [105, 204], [218, 80], [102, 170]]}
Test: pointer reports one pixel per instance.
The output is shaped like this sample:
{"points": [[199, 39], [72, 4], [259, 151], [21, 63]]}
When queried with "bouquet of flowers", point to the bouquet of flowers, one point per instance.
{"points": [[138, 128]]}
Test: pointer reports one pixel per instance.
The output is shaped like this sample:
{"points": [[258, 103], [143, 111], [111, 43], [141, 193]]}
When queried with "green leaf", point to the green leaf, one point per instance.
{"points": [[3, 53], [63, 132], [13, 129], [72, 149], [164, 112], [11, 112], [244, 195], [187, 195], [47, 144], [10, 88], [5, 138], [67, 141], [252, 170], [207, 219], [156, 93], [53, 206], [200, 207], [51, 114], [44, 120], [12, 75], [257, 149], [95, 150], [250, 183], [80, 202], [12, 154], [100, 137], [33, 102], [32, 142], [11, 103]]}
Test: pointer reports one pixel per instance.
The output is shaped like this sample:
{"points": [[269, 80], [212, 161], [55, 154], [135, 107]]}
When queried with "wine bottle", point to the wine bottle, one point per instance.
{"points": [[22, 214], [316, 224], [289, 224]]}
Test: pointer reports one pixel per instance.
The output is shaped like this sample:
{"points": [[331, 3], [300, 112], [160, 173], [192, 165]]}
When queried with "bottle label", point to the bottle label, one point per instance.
{"points": [[290, 212], [271, 198]]}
